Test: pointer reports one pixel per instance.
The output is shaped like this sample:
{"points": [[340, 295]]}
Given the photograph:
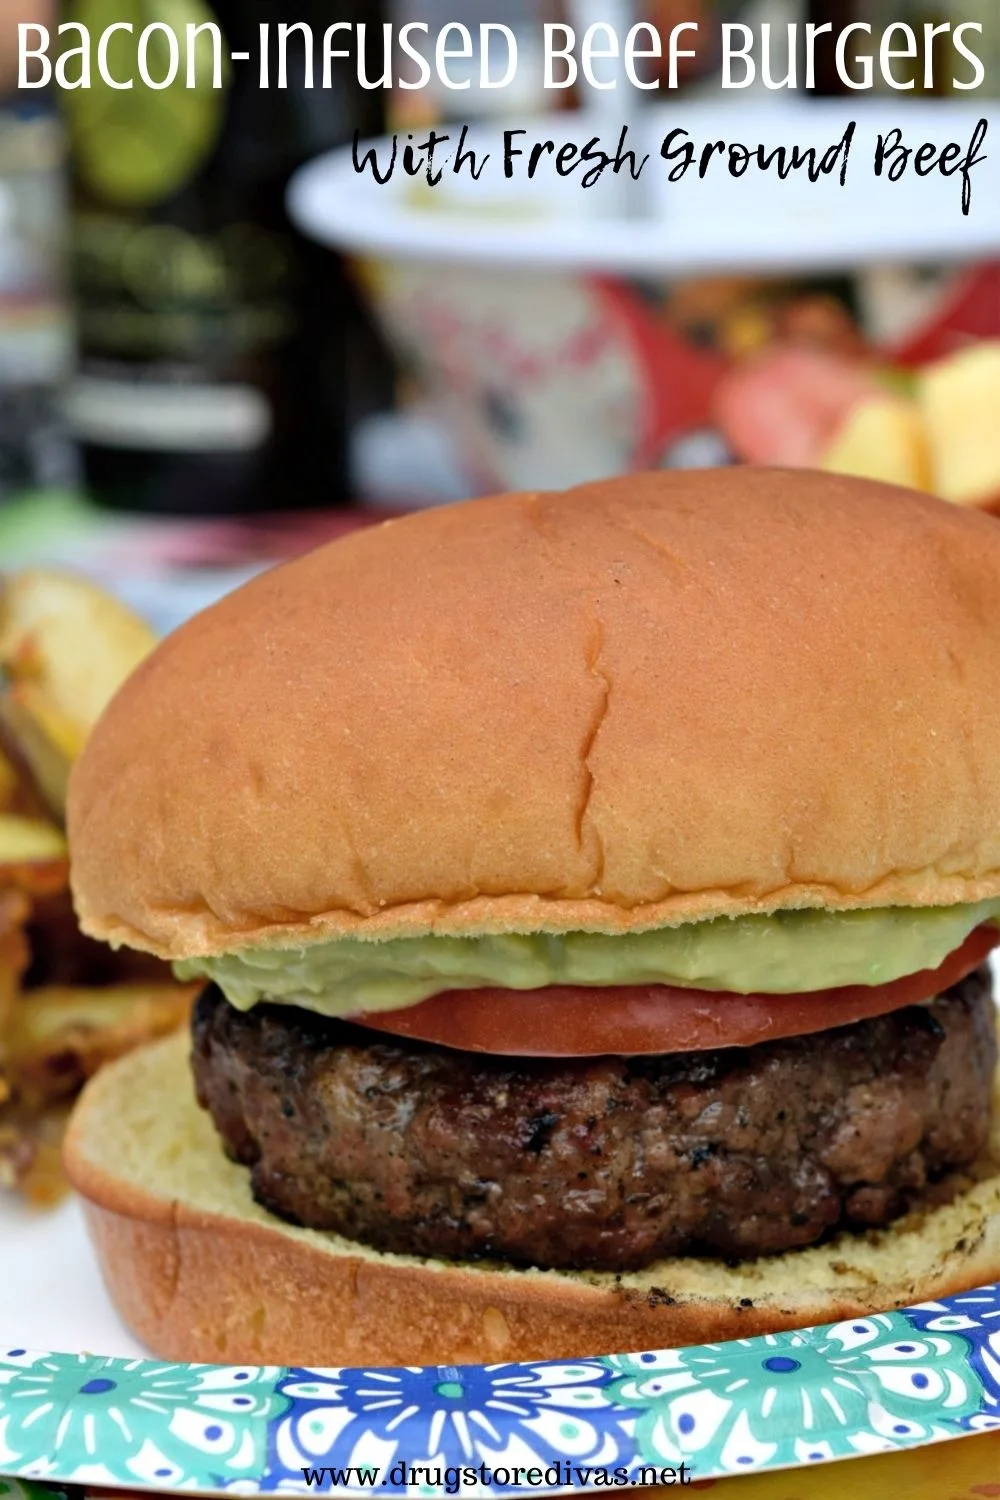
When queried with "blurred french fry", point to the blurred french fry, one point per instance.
{"points": [[31, 1154], [29, 841], [13, 962], [10, 784], [48, 764], [62, 955], [33, 855], [53, 1040], [59, 1036], [72, 639], [65, 648], [17, 793]]}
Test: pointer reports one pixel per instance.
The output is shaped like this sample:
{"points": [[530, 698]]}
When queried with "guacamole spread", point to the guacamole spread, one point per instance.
{"points": [[784, 953]]}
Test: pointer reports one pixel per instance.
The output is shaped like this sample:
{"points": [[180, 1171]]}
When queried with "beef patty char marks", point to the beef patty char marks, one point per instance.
{"points": [[606, 1162]]}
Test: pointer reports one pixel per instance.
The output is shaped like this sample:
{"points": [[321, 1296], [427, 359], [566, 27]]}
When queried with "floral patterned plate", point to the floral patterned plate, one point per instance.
{"points": [[859, 1387]]}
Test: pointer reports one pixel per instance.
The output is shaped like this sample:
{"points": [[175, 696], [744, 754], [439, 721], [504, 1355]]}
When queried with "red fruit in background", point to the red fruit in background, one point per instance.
{"points": [[785, 406]]}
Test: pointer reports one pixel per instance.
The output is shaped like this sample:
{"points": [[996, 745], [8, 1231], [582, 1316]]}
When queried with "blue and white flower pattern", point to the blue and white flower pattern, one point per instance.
{"points": [[860, 1386], [975, 1317], [494, 1414]]}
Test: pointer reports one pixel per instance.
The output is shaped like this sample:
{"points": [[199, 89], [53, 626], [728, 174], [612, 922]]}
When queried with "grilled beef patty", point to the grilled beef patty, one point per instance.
{"points": [[608, 1162]]}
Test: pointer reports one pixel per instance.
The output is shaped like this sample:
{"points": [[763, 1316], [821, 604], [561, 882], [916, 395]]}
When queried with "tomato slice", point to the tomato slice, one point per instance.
{"points": [[629, 1020]]}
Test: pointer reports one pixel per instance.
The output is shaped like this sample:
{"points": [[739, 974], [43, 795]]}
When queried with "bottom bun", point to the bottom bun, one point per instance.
{"points": [[200, 1272]]}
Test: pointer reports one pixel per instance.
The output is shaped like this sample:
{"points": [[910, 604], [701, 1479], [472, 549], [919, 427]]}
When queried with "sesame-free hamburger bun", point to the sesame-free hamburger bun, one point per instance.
{"points": [[643, 702]]}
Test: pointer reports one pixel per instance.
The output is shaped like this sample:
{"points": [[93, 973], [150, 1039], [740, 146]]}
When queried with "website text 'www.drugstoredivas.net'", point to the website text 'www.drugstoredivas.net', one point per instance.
{"points": [[453, 1479]]}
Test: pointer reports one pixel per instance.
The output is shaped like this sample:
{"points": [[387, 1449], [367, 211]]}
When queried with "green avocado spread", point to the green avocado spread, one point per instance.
{"points": [[785, 953]]}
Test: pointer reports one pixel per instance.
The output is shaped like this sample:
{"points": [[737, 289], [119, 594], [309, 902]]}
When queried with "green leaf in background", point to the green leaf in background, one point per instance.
{"points": [[30, 1489], [899, 381], [136, 148]]}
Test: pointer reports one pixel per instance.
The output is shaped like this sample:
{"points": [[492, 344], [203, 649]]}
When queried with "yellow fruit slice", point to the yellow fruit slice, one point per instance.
{"points": [[960, 401], [882, 438]]}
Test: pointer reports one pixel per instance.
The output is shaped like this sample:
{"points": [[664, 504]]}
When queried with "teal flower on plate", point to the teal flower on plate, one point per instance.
{"points": [[122, 1421], [854, 1387]]}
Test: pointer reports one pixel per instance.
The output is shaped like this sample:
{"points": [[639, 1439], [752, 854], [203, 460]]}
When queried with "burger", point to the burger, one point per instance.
{"points": [[592, 894]]}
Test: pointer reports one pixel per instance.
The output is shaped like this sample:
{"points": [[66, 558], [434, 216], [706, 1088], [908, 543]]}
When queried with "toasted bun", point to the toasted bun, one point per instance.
{"points": [[642, 702], [200, 1272]]}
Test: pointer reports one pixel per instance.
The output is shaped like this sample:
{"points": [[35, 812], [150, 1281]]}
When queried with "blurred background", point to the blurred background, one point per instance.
{"points": [[200, 371]]}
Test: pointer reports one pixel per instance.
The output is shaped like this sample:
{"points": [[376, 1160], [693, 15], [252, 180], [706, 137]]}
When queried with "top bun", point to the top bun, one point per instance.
{"points": [[641, 702]]}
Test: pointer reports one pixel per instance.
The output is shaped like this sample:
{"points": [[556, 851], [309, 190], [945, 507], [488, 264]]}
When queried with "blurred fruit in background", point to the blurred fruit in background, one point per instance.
{"points": [[882, 437], [959, 402], [786, 404], [936, 428]]}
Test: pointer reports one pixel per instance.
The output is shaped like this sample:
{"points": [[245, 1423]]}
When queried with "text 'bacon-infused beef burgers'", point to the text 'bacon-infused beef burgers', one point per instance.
{"points": [[593, 894]]}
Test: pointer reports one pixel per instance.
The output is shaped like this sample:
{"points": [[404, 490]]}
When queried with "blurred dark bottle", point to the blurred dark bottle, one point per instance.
{"points": [[838, 14], [918, 14], [221, 355]]}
